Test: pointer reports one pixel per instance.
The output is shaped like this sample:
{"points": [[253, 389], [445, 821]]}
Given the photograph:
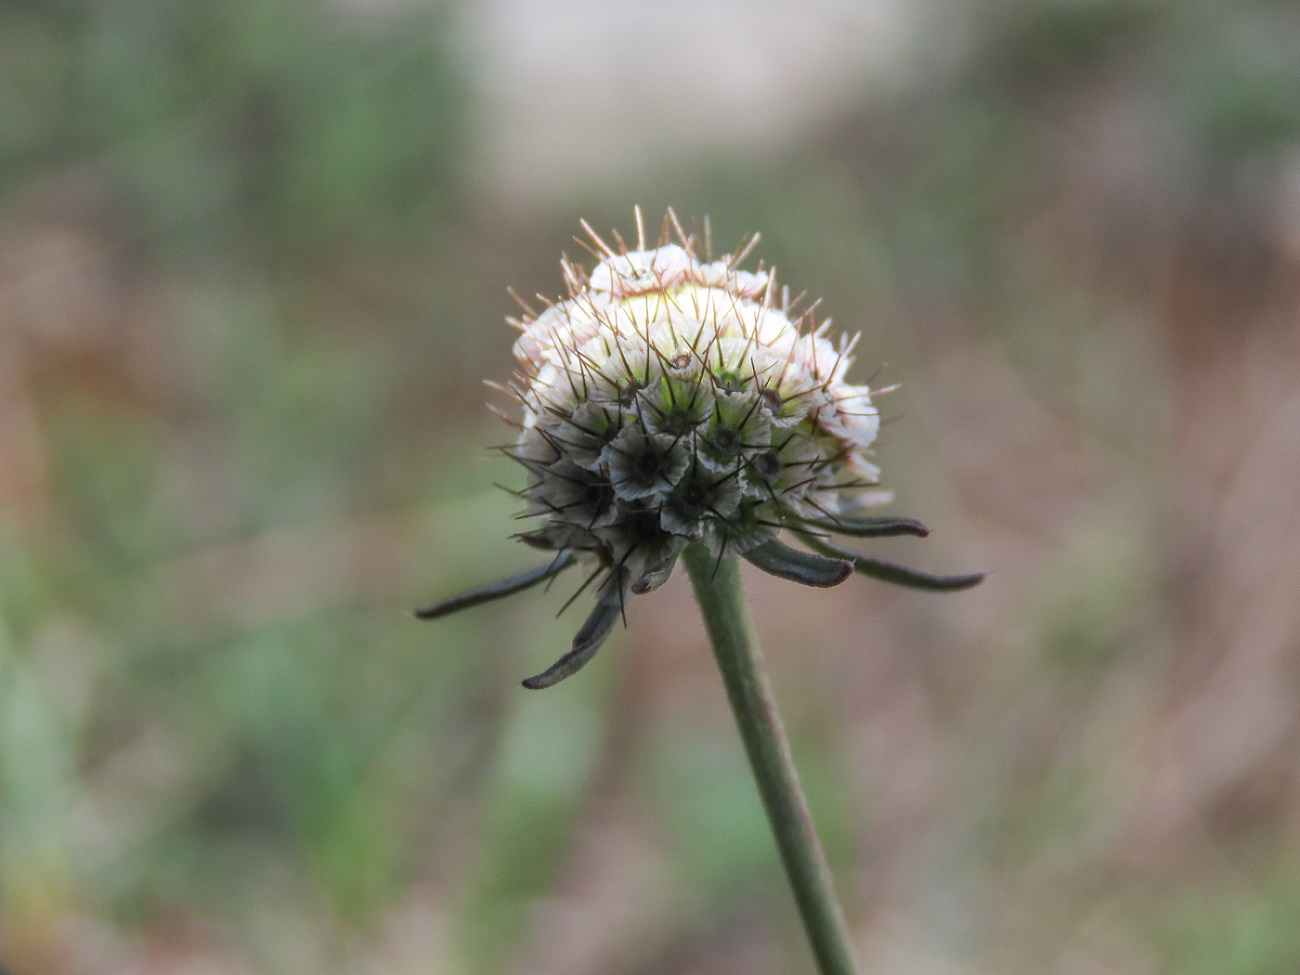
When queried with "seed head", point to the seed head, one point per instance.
{"points": [[671, 399]]}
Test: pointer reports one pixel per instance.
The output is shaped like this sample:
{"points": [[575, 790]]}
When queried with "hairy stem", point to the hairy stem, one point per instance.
{"points": [[722, 601]]}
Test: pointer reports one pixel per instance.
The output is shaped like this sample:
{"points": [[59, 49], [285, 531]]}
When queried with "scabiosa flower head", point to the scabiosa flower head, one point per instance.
{"points": [[671, 399]]}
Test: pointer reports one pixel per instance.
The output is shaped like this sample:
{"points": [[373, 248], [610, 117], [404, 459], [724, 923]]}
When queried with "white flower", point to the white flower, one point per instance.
{"points": [[722, 274], [639, 272]]}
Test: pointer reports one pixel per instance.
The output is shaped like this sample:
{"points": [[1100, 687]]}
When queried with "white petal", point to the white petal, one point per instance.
{"points": [[637, 272]]}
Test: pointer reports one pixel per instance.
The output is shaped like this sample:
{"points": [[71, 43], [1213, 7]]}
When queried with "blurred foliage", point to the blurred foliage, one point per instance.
{"points": [[250, 270], [1248, 930], [283, 128]]}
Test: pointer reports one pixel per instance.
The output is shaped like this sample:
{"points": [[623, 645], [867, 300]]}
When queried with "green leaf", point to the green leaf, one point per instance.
{"points": [[892, 572], [585, 644], [497, 590], [882, 527], [803, 567]]}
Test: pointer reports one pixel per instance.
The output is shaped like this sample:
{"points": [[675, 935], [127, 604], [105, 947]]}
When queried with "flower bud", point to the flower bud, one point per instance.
{"points": [[669, 399]]}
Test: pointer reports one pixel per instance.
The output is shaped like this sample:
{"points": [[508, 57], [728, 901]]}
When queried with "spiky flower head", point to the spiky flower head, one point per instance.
{"points": [[673, 399], [670, 398]]}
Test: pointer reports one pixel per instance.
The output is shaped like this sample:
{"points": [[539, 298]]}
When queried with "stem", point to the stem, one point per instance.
{"points": [[722, 601]]}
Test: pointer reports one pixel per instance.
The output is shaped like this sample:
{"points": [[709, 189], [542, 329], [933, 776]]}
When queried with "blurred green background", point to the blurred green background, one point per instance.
{"points": [[253, 256]]}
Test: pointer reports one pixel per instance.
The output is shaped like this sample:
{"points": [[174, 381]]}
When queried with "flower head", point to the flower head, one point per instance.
{"points": [[671, 399]]}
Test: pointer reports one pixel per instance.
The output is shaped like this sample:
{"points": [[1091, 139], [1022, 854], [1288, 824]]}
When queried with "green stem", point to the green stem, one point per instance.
{"points": [[722, 601]]}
